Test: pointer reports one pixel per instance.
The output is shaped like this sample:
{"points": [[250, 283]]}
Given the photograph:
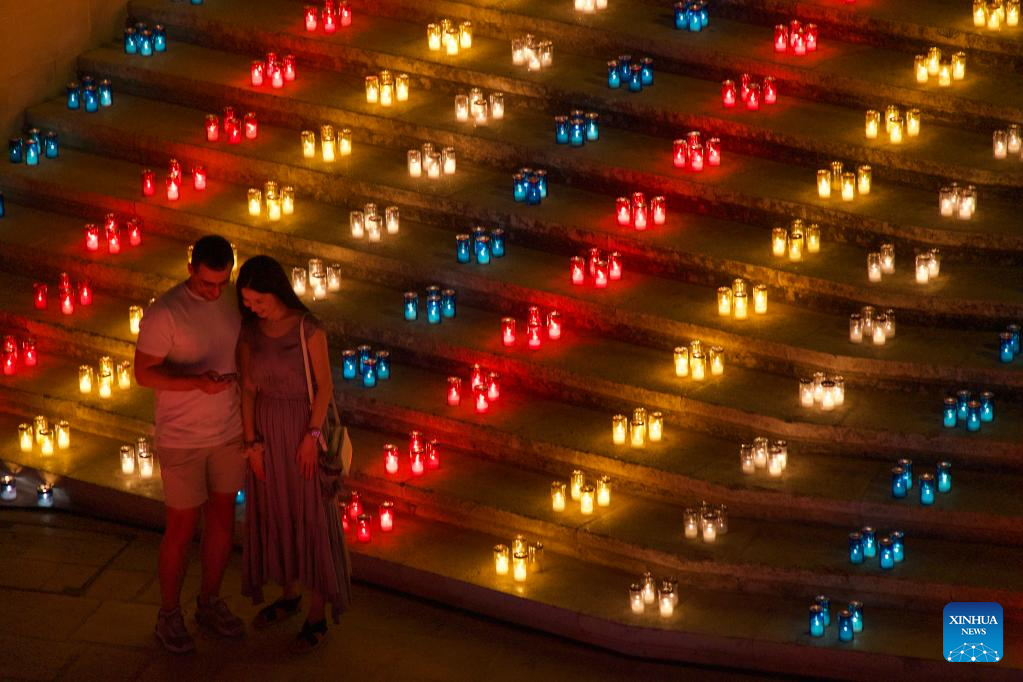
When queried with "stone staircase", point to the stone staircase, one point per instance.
{"points": [[744, 598]]}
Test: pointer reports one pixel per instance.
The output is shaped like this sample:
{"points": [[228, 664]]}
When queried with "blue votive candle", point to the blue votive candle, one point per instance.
{"points": [[74, 95], [3, 206], [44, 495], [369, 373], [90, 98], [635, 78], [682, 16], [8, 488], [561, 129], [701, 7], [541, 181], [856, 610], [1005, 353], [950, 412], [519, 186], [944, 476], [855, 548], [845, 626], [577, 133], [364, 353], [412, 304], [825, 604], [349, 364], [383, 365], [869, 542], [32, 153], [130, 41], [963, 405], [106, 94], [239, 497], [973, 416], [624, 62], [907, 471], [1014, 330], [196, 2], [696, 18], [447, 303], [145, 43], [898, 539], [497, 241], [159, 38], [887, 555], [614, 79], [462, 251], [15, 150], [34, 134], [433, 314], [483, 250], [533, 196], [51, 146], [987, 406], [926, 489], [646, 71], [816, 621], [898, 483]]}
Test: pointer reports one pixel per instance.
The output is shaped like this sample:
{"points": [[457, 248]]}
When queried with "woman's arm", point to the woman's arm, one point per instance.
{"points": [[320, 361], [248, 391]]}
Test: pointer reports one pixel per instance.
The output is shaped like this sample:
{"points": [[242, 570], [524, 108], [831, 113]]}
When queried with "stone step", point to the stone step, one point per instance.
{"points": [[653, 312]]}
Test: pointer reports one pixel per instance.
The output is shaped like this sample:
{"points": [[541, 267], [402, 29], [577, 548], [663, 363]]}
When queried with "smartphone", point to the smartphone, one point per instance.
{"points": [[232, 376]]}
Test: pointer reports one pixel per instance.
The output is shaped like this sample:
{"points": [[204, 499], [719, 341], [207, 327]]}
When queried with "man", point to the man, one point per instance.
{"points": [[186, 354]]}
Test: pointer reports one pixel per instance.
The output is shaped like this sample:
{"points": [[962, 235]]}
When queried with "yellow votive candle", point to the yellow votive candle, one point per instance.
{"points": [[26, 437], [308, 144], [586, 500], [604, 491], [863, 178], [619, 429], [759, 299], [873, 121], [681, 361], [724, 301], [63, 434], [134, 318], [912, 122], [740, 306], [848, 186], [558, 496], [655, 429], [85, 377], [824, 183], [255, 202]]}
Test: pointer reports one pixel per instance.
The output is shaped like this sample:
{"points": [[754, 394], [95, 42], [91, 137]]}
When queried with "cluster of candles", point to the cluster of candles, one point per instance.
{"points": [[602, 268], [522, 558], [645, 592], [897, 124], [103, 378], [850, 620], [319, 277], [366, 364], [234, 128], [586, 494], [849, 184], [486, 388], [142, 40], [445, 36], [363, 521], [276, 71], [534, 320], [902, 481], [752, 94], [529, 185], [796, 38], [111, 232], [633, 74], [1008, 141], [478, 108], [590, 6], [882, 262], [796, 240], [693, 154], [480, 245], [32, 147], [868, 324], [889, 550], [435, 163], [423, 454], [690, 361], [764, 454], [957, 202], [17, 354], [440, 304], [89, 95], [174, 180], [532, 53], [385, 88], [280, 201], [329, 17], [366, 222], [40, 433], [691, 16], [966, 408], [138, 457], [643, 427], [1008, 343], [638, 213], [931, 64], [733, 301], [67, 294], [707, 522], [822, 391], [332, 143], [993, 14], [577, 128]]}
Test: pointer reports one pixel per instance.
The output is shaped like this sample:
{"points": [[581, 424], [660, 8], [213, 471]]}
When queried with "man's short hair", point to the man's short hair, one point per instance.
{"points": [[214, 252]]}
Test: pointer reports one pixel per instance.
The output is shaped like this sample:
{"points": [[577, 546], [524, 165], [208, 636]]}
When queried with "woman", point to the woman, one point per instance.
{"points": [[293, 534]]}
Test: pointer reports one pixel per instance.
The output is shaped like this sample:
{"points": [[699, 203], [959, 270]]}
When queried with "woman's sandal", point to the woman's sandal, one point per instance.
{"points": [[276, 612], [311, 637]]}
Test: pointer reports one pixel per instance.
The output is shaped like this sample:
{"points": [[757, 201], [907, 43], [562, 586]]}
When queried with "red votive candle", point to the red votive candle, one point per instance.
{"points": [[67, 301], [362, 532], [10, 362], [256, 72], [391, 458], [212, 128], [134, 231], [148, 183], [113, 238], [454, 391], [251, 126], [578, 269], [233, 130], [622, 210], [199, 178], [781, 38], [288, 67], [416, 442], [810, 34], [91, 237], [311, 18], [744, 83], [493, 386], [591, 262], [417, 463], [508, 331], [30, 354], [714, 152], [174, 169], [173, 188], [533, 336], [696, 157], [614, 266], [799, 43], [386, 512], [678, 153], [533, 315], [659, 208], [770, 90], [476, 378], [346, 14], [354, 504], [84, 292], [432, 455], [600, 275], [554, 325], [479, 399], [753, 98], [728, 93], [329, 23], [39, 296], [276, 76], [639, 215]]}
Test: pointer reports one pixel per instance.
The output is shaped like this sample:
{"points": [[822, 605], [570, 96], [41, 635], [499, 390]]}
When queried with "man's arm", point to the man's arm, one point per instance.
{"points": [[152, 373]]}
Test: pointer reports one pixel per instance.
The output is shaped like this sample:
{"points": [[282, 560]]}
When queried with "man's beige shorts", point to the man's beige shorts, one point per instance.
{"points": [[191, 474]]}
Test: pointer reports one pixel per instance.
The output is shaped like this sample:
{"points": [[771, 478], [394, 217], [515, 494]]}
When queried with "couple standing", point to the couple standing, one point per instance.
{"points": [[232, 409]]}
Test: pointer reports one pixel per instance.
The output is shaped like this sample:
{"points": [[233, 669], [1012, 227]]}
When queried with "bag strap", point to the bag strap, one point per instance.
{"points": [[308, 373]]}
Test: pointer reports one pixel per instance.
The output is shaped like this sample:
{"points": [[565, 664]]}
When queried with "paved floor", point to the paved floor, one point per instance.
{"points": [[78, 598]]}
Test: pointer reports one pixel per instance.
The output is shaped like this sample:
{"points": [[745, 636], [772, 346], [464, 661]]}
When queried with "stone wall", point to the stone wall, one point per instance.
{"points": [[39, 43]]}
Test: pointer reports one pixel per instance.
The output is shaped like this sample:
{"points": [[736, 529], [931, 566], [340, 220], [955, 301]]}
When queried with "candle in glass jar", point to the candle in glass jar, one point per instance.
{"points": [[619, 429], [944, 75], [759, 299], [501, 562], [709, 527], [681, 361], [558, 496], [806, 392], [728, 93], [958, 65], [923, 269], [586, 495], [256, 72], [824, 183], [576, 483], [554, 325], [863, 179], [362, 528], [655, 427], [658, 206], [873, 121]]}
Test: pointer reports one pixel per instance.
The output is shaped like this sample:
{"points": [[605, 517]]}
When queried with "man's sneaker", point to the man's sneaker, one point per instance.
{"points": [[172, 633], [217, 617]]}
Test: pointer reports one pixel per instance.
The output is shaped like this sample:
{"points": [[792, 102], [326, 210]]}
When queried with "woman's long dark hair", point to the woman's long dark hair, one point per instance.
{"points": [[265, 275]]}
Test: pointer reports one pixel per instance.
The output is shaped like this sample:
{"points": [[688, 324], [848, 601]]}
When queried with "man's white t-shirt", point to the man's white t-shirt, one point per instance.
{"points": [[193, 336]]}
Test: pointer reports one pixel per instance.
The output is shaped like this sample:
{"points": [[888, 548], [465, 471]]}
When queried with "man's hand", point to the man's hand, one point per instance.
{"points": [[211, 382]]}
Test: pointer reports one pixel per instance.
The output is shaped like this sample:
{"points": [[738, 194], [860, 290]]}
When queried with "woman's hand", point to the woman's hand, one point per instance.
{"points": [[307, 455], [254, 453]]}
